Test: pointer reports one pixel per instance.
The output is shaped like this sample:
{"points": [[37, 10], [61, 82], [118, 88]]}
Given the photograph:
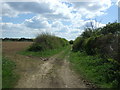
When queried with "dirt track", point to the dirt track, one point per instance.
{"points": [[35, 73]]}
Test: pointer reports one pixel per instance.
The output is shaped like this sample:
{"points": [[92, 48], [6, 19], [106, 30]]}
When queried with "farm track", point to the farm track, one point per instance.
{"points": [[35, 73]]}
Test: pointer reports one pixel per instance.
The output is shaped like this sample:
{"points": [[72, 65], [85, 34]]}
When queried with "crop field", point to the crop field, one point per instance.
{"points": [[9, 48]]}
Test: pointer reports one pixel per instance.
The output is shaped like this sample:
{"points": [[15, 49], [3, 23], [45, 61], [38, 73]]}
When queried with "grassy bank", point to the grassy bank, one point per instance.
{"points": [[102, 73], [46, 53], [46, 45], [9, 77], [47, 41]]}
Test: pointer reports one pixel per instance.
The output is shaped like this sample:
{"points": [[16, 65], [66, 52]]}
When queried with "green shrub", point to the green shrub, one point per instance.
{"points": [[89, 46], [103, 41], [113, 28], [46, 41], [35, 47], [77, 45]]}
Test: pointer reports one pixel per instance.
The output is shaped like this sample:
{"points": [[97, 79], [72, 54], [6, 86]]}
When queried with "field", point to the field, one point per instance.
{"points": [[9, 48], [35, 73]]}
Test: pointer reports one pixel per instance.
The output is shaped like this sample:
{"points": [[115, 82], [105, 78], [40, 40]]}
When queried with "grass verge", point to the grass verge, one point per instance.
{"points": [[102, 73], [46, 53], [9, 77], [65, 53]]}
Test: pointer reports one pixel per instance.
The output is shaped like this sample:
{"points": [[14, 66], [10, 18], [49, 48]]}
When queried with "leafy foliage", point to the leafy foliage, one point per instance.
{"points": [[104, 41], [46, 41], [113, 28], [77, 45]]}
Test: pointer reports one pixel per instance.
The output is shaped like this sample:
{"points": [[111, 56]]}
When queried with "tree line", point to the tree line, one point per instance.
{"points": [[17, 39]]}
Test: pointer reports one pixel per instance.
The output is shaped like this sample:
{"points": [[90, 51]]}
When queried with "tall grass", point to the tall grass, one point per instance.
{"points": [[9, 77]]}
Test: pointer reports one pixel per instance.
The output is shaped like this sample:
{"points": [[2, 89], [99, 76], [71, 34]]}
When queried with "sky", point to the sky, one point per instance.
{"points": [[61, 18]]}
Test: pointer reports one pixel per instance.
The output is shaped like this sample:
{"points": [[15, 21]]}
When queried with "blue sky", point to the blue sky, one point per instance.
{"points": [[111, 16], [19, 19], [67, 20]]}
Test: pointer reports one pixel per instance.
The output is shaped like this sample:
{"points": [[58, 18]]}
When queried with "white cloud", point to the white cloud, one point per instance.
{"points": [[37, 23], [18, 30], [57, 10], [0, 18], [57, 27], [11, 26], [8, 11], [50, 16], [118, 3], [45, 8], [15, 8], [92, 9], [34, 7], [95, 24], [57, 24], [93, 6]]}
